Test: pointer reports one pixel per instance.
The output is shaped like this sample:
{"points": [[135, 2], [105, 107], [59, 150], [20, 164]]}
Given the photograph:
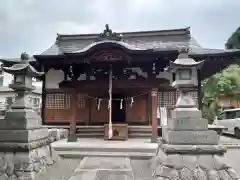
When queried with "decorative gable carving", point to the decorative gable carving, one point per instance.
{"points": [[108, 35]]}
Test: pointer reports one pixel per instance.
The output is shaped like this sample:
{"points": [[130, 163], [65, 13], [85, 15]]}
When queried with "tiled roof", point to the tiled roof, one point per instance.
{"points": [[144, 40], [163, 40], [133, 40]]}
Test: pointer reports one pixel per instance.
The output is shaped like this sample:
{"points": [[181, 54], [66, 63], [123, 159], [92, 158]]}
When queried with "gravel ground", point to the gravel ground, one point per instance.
{"points": [[63, 170]]}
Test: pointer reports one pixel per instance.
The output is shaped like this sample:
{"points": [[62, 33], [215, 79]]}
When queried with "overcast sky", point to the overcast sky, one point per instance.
{"points": [[32, 25]]}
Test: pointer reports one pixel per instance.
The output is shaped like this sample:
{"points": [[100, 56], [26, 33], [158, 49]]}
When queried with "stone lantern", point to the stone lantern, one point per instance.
{"points": [[188, 150], [22, 137], [21, 115], [186, 79], [22, 84]]}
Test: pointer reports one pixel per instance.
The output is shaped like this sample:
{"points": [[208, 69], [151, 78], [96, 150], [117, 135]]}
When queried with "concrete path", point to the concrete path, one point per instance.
{"points": [[118, 168], [98, 168]]}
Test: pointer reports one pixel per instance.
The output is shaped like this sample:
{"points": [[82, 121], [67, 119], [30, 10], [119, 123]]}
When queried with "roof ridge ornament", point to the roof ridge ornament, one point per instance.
{"points": [[108, 34], [24, 58], [183, 52]]}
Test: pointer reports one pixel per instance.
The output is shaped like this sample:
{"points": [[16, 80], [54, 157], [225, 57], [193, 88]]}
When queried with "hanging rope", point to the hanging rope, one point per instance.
{"points": [[110, 132], [116, 99]]}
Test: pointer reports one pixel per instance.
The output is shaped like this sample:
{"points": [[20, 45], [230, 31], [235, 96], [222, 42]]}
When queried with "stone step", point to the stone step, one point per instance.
{"points": [[104, 149], [76, 154]]}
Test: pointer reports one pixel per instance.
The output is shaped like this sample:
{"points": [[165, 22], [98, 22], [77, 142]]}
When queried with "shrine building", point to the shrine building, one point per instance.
{"points": [[80, 67]]}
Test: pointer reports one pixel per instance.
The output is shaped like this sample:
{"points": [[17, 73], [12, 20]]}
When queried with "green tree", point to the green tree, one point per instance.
{"points": [[225, 83], [234, 40]]}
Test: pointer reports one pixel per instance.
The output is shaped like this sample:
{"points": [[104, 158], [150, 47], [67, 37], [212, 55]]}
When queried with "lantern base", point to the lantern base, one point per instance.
{"points": [[154, 139], [72, 138], [191, 162], [21, 119], [190, 137]]}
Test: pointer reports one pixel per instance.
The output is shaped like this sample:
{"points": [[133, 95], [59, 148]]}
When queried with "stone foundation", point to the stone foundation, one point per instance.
{"points": [[22, 161], [191, 162], [25, 165], [58, 134]]}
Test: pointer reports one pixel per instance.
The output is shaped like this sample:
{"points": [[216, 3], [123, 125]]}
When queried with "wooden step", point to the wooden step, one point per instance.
{"points": [[90, 135], [139, 131], [90, 130], [140, 135]]}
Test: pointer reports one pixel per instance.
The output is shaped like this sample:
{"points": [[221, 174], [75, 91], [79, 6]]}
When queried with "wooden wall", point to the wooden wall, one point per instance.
{"points": [[138, 112], [58, 109]]}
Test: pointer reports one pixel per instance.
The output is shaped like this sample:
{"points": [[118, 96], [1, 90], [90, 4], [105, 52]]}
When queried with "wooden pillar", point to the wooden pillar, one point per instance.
{"points": [[43, 99], [154, 115], [72, 132]]}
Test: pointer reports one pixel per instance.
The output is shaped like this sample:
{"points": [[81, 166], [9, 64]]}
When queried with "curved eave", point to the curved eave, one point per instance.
{"points": [[16, 68], [224, 53], [107, 45], [10, 62], [49, 57]]}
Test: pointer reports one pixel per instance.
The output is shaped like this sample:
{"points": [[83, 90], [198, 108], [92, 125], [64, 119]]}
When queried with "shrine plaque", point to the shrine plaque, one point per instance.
{"points": [[119, 132]]}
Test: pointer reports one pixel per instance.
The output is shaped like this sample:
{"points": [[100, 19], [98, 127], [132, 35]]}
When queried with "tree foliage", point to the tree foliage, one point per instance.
{"points": [[225, 83], [234, 40]]}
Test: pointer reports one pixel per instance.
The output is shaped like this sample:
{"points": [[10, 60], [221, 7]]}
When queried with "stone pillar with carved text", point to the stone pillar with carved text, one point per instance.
{"points": [[154, 115], [188, 150]]}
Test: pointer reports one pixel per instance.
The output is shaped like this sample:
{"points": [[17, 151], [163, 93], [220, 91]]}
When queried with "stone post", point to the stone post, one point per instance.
{"points": [[188, 150], [24, 144]]}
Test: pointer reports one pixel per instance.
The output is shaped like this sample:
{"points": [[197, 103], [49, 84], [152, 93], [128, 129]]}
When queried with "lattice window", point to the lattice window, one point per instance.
{"points": [[50, 104], [81, 101], [68, 98], [166, 99], [169, 98], [58, 101], [159, 99]]}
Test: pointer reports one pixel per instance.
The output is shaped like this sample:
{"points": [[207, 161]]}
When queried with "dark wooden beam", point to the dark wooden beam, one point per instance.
{"points": [[118, 84]]}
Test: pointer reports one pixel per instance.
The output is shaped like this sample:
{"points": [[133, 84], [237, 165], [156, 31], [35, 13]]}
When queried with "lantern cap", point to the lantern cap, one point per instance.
{"points": [[23, 67], [184, 60]]}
